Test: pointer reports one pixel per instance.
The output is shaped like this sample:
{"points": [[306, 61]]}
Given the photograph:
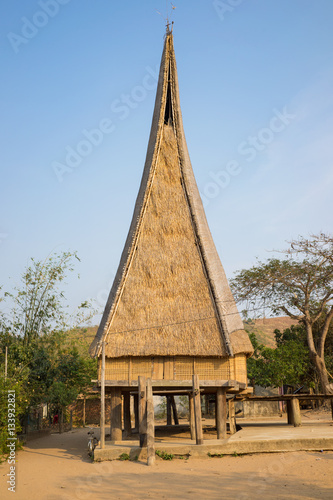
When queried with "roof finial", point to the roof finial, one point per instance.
{"points": [[167, 20]]}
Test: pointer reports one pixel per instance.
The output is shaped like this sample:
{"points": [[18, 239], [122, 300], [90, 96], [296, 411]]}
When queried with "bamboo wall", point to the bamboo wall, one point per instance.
{"points": [[176, 368]]}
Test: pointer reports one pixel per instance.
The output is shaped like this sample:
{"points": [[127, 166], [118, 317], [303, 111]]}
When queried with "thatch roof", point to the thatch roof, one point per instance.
{"points": [[170, 295]]}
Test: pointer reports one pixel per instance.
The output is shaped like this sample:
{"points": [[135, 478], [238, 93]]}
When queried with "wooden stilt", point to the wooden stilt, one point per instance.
{"points": [[136, 412], [232, 417], [290, 418], [127, 414], [150, 425], [116, 427], [174, 410], [102, 439], [221, 413], [191, 415], [197, 409], [296, 412], [169, 414], [142, 411]]}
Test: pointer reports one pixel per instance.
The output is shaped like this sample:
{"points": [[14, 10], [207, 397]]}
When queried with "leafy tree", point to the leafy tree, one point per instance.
{"points": [[299, 285], [41, 356], [285, 365]]}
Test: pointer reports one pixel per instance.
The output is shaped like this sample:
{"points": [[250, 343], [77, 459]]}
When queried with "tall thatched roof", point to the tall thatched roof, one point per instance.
{"points": [[170, 295]]}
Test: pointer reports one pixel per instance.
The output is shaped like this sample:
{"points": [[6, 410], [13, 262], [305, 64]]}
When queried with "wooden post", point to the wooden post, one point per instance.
{"points": [[290, 417], [221, 413], [142, 391], [191, 415], [296, 412], [127, 414], [169, 414], [232, 417], [84, 412], [197, 409], [174, 410], [116, 427], [71, 420], [136, 412], [102, 440], [150, 425]]}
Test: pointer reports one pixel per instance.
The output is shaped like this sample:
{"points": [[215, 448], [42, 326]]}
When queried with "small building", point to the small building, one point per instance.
{"points": [[170, 313]]}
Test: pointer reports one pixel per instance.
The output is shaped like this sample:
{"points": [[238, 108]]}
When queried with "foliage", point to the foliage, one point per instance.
{"points": [[285, 365], [164, 455], [20, 405], [43, 360], [124, 456], [299, 285]]}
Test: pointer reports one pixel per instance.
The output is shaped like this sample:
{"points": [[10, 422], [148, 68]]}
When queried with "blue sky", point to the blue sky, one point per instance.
{"points": [[256, 93]]}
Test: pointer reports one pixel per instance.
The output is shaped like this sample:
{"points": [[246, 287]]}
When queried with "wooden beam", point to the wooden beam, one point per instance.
{"points": [[127, 414], [174, 409], [178, 384], [102, 439], [150, 425], [116, 427], [191, 415], [232, 417], [197, 409], [221, 413], [142, 390]]}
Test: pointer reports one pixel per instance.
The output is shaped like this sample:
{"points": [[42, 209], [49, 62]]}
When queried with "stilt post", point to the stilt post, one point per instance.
{"points": [[197, 409], [191, 415], [102, 439], [174, 410], [221, 413], [116, 403], [169, 414], [232, 417], [127, 414], [150, 425], [142, 392]]}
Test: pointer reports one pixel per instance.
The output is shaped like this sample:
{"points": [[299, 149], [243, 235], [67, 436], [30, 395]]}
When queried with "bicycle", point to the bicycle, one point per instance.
{"points": [[92, 442]]}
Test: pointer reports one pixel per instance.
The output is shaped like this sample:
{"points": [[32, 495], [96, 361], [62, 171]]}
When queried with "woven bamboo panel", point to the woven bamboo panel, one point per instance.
{"points": [[183, 368], [213, 368], [240, 368], [116, 368], [141, 366]]}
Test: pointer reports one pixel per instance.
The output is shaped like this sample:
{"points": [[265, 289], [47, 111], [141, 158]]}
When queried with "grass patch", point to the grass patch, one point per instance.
{"points": [[164, 455]]}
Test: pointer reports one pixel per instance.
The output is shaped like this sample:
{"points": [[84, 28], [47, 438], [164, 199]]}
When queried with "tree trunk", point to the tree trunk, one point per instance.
{"points": [[319, 362]]}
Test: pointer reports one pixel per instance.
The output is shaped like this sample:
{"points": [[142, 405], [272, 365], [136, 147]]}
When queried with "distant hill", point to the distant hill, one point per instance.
{"points": [[264, 328], [82, 337]]}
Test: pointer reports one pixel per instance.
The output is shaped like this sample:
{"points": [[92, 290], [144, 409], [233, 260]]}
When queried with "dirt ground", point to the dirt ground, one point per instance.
{"points": [[58, 467]]}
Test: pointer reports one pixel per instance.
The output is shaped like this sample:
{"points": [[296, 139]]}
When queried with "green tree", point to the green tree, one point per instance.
{"points": [[287, 364], [40, 351], [299, 285]]}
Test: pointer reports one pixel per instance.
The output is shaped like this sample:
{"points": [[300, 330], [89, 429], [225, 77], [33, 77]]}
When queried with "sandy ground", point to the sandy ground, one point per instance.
{"points": [[58, 467]]}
